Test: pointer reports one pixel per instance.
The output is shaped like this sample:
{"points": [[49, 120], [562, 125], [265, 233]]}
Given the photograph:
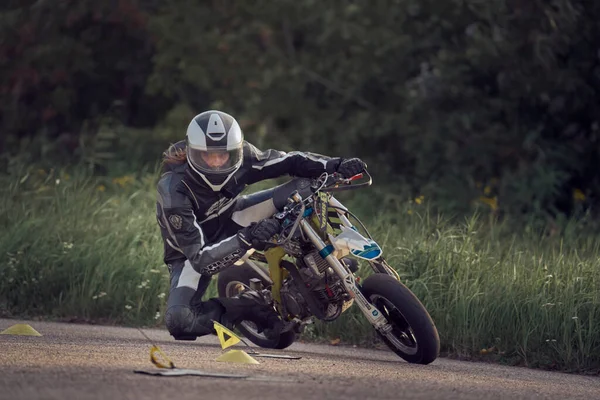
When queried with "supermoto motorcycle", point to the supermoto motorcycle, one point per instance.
{"points": [[310, 273]]}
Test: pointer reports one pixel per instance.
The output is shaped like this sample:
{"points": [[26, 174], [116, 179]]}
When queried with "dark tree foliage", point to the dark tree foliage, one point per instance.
{"points": [[454, 99], [67, 61]]}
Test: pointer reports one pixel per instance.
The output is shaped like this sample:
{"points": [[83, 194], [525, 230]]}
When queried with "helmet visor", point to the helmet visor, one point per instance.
{"points": [[215, 160]]}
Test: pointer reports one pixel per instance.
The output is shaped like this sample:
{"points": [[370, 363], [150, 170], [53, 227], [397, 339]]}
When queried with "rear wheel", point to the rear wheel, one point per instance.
{"points": [[235, 280], [413, 335]]}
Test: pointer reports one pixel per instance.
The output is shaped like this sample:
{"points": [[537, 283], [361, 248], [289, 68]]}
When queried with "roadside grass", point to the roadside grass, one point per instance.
{"points": [[521, 299], [88, 249], [80, 248]]}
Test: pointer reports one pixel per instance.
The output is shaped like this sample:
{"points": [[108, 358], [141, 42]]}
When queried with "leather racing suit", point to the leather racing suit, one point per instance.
{"points": [[199, 226]]}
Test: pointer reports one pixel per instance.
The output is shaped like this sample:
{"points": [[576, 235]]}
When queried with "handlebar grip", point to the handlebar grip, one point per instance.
{"points": [[351, 186]]}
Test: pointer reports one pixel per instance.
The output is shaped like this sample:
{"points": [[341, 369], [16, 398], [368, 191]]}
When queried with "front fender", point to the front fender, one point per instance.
{"points": [[352, 242]]}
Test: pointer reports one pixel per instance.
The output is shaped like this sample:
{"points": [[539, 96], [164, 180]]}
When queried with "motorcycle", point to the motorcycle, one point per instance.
{"points": [[311, 274]]}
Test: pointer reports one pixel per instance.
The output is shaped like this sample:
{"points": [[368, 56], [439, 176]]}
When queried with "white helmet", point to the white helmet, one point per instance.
{"points": [[215, 146]]}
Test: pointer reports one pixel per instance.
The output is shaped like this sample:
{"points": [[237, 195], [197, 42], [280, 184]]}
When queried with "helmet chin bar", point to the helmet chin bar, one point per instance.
{"points": [[214, 187]]}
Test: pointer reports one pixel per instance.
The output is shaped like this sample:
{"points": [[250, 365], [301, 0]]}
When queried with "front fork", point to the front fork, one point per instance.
{"points": [[374, 315]]}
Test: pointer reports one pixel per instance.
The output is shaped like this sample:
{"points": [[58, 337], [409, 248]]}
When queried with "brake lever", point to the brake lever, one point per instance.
{"points": [[355, 177], [341, 183]]}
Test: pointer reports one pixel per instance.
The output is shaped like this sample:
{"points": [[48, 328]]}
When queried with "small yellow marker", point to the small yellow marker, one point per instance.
{"points": [[156, 361], [20, 330], [226, 337], [237, 356]]}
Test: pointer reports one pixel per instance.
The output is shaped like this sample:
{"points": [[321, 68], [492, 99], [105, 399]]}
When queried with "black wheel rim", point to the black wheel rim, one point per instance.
{"points": [[401, 336]]}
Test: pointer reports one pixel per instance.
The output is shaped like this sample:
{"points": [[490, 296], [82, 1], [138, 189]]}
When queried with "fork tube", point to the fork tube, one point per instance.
{"points": [[325, 251], [374, 316]]}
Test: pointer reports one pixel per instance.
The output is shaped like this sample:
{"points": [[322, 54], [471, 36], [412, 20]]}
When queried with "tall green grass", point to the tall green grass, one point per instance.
{"points": [[80, 247], [89, 249], [518, 298]]}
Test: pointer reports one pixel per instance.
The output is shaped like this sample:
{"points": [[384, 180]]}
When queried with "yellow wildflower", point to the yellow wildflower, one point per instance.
{"points": [[490, 201], [578, 195], [123, 180]]}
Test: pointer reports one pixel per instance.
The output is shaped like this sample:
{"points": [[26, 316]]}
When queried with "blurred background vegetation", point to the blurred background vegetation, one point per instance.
{"points": [[462, 101], [479, 120]]}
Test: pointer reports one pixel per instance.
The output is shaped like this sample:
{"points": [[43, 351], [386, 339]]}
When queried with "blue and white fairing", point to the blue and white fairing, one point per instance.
{"points": [[350, 241]]}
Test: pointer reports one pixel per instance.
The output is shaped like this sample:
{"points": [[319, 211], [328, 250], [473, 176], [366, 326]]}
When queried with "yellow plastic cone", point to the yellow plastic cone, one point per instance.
{"points": [[159, 361], [21, 330], [237, 356], [226, 337]]}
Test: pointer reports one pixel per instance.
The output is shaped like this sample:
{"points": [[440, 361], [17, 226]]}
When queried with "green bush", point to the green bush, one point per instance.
{"points": [[455, 99]]}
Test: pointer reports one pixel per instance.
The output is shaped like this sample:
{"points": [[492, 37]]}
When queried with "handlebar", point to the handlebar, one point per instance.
{"points": [[333, 183], [346, 183]]}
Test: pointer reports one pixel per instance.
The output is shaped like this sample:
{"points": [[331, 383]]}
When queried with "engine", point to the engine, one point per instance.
{"points": [[324, 286]]}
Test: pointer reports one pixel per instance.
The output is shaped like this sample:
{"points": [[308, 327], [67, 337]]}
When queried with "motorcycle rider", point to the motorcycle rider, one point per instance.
{"points": [[207, 226]]}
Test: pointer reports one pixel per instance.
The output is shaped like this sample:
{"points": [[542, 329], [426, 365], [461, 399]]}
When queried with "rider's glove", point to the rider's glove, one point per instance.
{"points": [[350, 167], [259, 232]]}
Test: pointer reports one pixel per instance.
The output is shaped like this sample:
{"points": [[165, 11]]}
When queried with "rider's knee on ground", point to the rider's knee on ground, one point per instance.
{"points": [[186, 323], [179, 320]]}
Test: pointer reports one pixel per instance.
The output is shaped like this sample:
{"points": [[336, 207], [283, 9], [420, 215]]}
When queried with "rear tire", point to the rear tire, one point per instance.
{"points": [[229, 283], [414, 335]]}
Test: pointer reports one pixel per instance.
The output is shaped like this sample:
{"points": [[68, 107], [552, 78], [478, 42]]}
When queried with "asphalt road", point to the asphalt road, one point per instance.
{"points": [[96, 362]]}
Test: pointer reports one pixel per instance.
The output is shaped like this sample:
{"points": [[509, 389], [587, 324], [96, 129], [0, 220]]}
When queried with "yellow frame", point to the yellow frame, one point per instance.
{"points": [[278, 274]]}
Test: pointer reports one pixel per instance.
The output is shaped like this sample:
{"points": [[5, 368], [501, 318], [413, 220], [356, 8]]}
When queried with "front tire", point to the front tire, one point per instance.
{"points": [[233, 281], [414, 336]]}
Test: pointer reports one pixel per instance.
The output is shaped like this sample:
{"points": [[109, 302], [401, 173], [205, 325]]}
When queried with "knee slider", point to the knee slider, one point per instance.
{"points": [[302, 185], [179, 320]]}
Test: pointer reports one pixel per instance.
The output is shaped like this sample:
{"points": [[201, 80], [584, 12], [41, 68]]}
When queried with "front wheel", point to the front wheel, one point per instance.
{"points": [[413, 335]]}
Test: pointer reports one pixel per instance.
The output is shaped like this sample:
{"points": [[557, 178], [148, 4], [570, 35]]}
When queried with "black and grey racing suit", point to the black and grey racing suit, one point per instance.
{"points": [[199, 226]]}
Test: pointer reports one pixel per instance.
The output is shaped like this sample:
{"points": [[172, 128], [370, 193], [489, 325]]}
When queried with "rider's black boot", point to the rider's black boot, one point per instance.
{"points": [[249, 306]]}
